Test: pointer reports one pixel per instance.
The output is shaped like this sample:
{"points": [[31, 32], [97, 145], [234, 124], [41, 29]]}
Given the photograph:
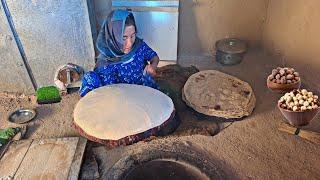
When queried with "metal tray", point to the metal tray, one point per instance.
{"points": [[22, 116]]}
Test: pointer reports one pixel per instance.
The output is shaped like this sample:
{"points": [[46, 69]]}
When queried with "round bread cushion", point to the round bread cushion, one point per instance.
{"points": [[218, 94], [122, 114]]}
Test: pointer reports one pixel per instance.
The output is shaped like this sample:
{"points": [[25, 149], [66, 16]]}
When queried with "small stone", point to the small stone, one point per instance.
{"points": [[226, 91], [309, 107], [289, 81], [296, 74], [303, 108], [315, 97], [295, 108], [297, 78], [217, 107], [310, 94], [278, 76], [306, 103]]}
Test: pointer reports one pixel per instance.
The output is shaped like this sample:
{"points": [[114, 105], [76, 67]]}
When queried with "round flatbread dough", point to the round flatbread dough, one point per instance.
{"points": [[117, 111], [218, 94]]}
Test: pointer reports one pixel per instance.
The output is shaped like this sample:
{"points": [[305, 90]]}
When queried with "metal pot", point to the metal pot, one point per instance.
{"points": [[230, 51]]}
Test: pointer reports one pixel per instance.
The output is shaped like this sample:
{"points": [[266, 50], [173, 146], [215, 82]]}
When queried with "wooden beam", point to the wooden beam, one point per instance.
{"points": [[307, 135]]}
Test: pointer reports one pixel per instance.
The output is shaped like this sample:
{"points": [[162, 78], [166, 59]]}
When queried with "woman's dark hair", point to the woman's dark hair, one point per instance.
{"points": [[131, 22]]}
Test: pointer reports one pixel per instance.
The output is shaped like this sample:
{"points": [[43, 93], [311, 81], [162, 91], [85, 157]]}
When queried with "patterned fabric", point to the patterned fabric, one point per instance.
{"points": [[129, 72]]}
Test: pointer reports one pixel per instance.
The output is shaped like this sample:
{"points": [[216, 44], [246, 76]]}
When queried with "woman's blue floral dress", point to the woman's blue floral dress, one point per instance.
{"points": [[129, 72]]}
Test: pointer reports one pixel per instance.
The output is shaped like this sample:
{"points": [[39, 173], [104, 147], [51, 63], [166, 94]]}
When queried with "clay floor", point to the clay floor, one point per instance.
{"points": [[252, 148]]}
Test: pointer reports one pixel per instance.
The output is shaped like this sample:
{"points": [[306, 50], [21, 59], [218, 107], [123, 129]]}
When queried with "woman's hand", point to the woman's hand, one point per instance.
{"points": [[150, 70]]}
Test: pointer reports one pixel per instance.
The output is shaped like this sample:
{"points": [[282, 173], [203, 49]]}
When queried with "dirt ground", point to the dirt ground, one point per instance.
{"points": [[252, 148]]}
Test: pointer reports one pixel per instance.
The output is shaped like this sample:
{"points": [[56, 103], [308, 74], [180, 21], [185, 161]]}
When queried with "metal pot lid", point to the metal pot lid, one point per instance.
{"points": [[231, 45]]}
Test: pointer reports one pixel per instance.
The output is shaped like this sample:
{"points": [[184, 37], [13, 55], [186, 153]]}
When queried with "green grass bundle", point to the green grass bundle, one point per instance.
{"points": [[48, 95], [6, 135]]}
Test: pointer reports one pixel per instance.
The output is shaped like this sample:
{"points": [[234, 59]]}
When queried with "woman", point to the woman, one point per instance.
{"points": [[123, 58]]}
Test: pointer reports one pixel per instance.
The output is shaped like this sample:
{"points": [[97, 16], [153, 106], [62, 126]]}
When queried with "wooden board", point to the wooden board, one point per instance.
{"points": [[77, 160], [44, 159], [12, 159]]}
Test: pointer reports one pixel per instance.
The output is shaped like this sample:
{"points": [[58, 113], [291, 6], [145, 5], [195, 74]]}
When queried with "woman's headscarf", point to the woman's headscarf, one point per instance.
{"points": [[110, 39]]}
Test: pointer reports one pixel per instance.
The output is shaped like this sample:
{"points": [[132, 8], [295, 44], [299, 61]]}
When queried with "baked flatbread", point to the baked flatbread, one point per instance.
{"points": [[218, 94], [116, 111]]}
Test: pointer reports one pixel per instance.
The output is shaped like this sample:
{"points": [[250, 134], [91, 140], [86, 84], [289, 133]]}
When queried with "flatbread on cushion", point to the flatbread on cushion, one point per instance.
{"points": [[117, 111], [218, 94]]}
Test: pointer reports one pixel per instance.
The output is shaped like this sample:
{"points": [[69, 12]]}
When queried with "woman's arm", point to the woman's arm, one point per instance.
{"points": [[152, 67]]}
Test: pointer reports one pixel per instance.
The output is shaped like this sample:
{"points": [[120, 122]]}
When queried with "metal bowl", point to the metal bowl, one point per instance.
{"points": [[22, 116], [230, 51]]}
